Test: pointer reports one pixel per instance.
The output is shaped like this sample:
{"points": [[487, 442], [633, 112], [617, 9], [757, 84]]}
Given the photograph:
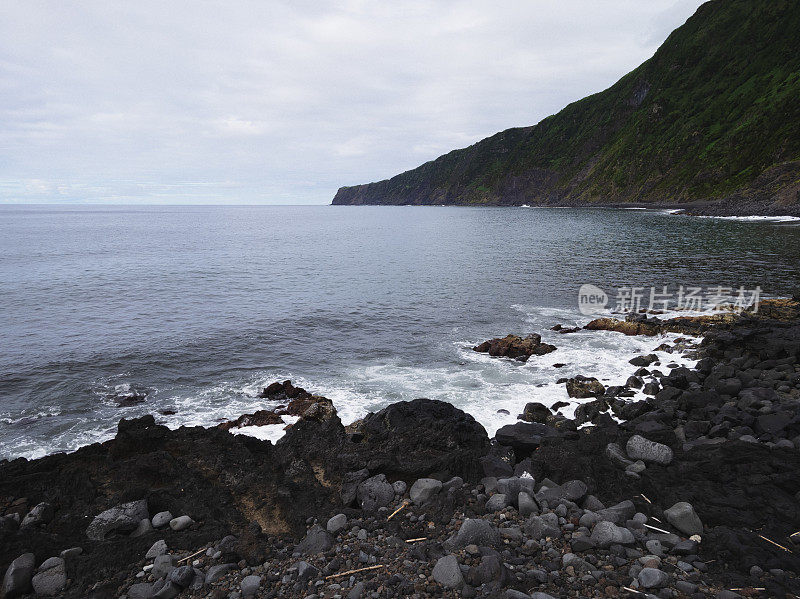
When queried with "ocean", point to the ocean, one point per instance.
{"points": [[193, 309]]}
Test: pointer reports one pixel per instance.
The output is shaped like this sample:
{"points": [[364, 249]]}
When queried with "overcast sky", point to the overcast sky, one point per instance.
{"points": [[284, 102]]}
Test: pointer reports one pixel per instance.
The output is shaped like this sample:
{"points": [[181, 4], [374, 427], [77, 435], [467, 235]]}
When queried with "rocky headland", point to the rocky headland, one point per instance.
{"points": [[691, 492], [707, 124]]}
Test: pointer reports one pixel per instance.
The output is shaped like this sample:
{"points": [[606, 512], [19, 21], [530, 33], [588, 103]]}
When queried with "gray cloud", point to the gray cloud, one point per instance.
{"points": [[283, 102]]}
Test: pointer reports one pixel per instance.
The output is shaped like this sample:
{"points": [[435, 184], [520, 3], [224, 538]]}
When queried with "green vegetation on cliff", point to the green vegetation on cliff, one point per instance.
{"points": [[713, 116]]}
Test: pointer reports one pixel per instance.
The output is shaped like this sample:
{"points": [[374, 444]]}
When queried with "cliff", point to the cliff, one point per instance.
{"points": [[711, 119]]}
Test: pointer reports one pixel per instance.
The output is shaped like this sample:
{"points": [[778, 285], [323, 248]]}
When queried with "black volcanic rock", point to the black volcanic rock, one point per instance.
{"points": [[423, 436], [513, 346]]}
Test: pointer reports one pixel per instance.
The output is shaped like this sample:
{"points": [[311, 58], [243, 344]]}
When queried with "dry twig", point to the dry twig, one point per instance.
{"points": [[658, 529], [776, 544], [188, 557], [405, 504], [356, 571]]}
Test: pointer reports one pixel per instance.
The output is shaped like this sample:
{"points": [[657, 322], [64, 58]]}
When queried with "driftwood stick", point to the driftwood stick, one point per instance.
{"points": [[413, 540], [394, 513], [658, 529], [356, 571], [188, 557], [776, 544]]}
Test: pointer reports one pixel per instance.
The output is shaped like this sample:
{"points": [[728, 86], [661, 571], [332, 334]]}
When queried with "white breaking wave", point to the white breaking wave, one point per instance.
{"points": [[493, 390], [756, 218]]}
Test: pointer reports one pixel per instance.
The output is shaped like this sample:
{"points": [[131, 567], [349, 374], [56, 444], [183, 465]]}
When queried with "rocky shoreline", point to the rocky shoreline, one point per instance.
{"points": [[693, 492]]}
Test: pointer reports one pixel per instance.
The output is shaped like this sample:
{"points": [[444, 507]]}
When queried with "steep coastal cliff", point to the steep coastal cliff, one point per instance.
{"points": [[712, 119]]}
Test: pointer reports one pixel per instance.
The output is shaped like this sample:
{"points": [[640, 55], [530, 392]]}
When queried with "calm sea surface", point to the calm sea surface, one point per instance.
{"points": [[199, 307]]}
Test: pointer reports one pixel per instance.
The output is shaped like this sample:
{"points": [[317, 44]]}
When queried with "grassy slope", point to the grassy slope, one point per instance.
{"points": [[718, 104]]}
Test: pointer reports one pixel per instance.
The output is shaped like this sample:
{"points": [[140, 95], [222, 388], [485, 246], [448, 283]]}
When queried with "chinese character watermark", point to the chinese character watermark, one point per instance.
{"points": [[664, 298]]}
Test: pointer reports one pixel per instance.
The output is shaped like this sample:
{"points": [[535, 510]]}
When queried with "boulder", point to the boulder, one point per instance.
{"points": [[497, 502], [772, 424], [158, 548], [375, 492], [536, 412], [607, 533], [581, 387], [494, 466], [454, 483], [305, 571], [639, 448], [513, 485], [411, 439], [336, 523], [540, 527], [71, 552], [524, 436], [350, 482], [589, 411], [317, 540], [424, 489], [162, 565], [140, 590], [258, 418], [17, 580], [447, 572], [526, 505], [180, 523], [513, 346], [573, 490], [475, 531], [216, 572], [182, 576], [144, 528], [615, 454], [683, 517], [170, 590], [249, 585], [652, 578], [161, 519], [51, 578], [644, 360], [619, 513], [121, 518], [39, 514]]}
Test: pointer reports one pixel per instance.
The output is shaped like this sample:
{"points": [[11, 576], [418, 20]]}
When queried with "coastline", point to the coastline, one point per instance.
{"points": [[730, 455], [710, 209]]}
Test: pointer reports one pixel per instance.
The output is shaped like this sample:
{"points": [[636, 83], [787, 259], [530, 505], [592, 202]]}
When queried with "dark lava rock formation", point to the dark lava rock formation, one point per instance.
{"points": [[513, 346]]}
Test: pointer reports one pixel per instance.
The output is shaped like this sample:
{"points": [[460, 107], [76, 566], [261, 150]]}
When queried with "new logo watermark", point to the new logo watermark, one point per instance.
{"points": [[592, 300]]}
